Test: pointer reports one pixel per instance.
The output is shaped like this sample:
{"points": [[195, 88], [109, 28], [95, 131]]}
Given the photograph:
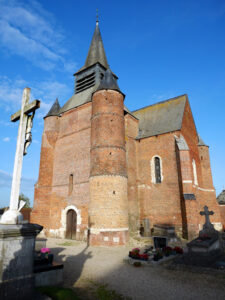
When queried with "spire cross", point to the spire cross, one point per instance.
{"points": [[97, 15], [206, 213]]}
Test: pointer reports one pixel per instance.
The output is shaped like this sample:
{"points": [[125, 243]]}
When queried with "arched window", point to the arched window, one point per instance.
{"points": [[195, 172], [156, 169]]}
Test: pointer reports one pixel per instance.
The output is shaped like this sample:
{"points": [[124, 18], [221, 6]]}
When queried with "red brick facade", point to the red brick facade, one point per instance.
{"points": [[113, 184]]}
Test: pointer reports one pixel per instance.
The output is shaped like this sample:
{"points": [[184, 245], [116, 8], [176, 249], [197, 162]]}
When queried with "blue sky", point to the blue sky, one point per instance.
{"points": [[158, 49]]}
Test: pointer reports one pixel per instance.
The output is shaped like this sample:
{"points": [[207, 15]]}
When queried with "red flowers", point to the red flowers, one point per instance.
{"points": [[178, 250], [135, 253], [145, 256]]}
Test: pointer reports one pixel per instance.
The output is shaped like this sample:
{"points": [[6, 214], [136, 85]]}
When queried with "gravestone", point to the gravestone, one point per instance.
{"points": [[16, 260], [147, 230], [160, 242], [207, 247], [164, 235], [164, 230]]}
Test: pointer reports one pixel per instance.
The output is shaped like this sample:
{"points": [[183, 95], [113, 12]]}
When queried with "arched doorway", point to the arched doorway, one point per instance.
{"points": [[71, 224]]}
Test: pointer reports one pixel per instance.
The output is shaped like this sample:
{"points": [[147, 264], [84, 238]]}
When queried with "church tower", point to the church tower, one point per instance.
{"points": [[108, 209]]}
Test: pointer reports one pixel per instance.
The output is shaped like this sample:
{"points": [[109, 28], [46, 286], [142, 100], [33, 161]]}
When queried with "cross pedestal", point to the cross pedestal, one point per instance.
{"points": [[13, 216]]}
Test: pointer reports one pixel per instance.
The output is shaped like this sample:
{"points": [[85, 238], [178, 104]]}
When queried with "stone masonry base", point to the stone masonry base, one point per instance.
{"points": [[109, 238]]}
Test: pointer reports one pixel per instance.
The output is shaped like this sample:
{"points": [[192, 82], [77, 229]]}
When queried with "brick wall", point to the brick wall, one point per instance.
{"points": [[131, 131], [160, 202], [69, 154], [204, 189], [222, 213]]}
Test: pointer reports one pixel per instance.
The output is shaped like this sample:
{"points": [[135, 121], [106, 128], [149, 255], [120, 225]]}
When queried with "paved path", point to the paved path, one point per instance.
{"points": [[106, 265]]}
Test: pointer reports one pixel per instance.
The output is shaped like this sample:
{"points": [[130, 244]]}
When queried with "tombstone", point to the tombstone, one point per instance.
{"points": [[160, 242], [17, 240], [147, 230], [164, 230], [207, 247], [16, 260]]}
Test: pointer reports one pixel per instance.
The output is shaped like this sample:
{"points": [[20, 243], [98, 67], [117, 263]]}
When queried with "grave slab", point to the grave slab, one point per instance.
{"points": [[16, 260]]}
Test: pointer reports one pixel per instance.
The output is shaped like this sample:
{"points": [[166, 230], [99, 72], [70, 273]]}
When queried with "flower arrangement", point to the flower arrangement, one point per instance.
{"points": [[158, 255], [45, 256], [178, 250], [167, 251], [135, 253], [137, 264], [45, 252]]}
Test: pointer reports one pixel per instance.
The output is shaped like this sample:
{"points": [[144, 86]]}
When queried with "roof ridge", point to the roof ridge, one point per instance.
{"points": [[160, 102]]}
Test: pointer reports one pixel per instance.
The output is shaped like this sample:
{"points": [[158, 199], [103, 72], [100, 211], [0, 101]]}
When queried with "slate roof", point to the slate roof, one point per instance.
{"points": [[181, 143], [221, 197], [79, 99], [108, 82], [201, 142], [162, 117], [82, 98], [54, 110], [96, 51]]}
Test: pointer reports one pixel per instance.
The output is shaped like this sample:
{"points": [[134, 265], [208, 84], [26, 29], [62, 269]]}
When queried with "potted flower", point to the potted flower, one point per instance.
{"points": [[134, 253], [143, 256], [167, 251], [137, 264], [178, 250], [46, 256], [158, 255]]}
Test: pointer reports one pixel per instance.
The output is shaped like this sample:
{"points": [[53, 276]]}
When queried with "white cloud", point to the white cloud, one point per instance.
{"points": [[163, 96], [35, 141], [6, 139], [27, 184], [46, 91], [27, 30], [7, 124]]}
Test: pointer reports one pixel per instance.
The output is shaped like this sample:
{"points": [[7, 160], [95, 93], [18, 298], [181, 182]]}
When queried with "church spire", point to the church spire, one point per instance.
{"points": [[96, 53], [54, 110]]}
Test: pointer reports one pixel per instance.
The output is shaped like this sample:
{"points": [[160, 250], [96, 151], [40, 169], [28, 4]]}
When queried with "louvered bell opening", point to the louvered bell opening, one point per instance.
{"points": [[85, 83]]}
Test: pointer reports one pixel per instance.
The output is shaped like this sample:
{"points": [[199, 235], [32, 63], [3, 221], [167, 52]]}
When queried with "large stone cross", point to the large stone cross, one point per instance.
{"points": [[207, 213], [25, 115]]}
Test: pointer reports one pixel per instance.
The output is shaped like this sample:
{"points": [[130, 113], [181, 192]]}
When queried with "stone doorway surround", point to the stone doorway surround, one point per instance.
{"points": [[64, 218]]}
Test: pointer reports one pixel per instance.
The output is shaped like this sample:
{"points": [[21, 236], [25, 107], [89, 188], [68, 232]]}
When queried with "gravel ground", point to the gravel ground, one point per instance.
{"points": [[105, 265]]}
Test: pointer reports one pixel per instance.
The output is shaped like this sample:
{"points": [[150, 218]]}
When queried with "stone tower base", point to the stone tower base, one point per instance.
{"points": [[108, 237]]}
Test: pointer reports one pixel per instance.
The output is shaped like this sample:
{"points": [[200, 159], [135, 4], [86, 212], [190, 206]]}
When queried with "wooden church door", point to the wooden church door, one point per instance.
{"points": [[71, 224]]}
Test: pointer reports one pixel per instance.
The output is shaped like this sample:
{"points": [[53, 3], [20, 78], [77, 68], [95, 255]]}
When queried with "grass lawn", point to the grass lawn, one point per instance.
{"points": [[58, 293]]}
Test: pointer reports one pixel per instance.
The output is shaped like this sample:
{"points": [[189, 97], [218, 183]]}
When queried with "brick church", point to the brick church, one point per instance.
{"points": [[105, 170]]}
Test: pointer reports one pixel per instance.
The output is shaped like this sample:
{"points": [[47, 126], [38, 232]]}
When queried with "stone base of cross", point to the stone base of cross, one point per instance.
{"points": [[25, 115]]}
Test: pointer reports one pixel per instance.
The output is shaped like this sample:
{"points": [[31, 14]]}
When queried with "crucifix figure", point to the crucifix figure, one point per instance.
{"points": [[207, 213], [25, 115]]}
